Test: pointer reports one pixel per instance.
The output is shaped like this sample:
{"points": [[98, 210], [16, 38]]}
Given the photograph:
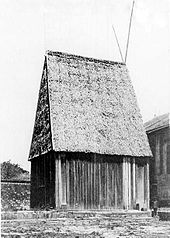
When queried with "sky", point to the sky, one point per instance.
{"points": [[83, 27]]}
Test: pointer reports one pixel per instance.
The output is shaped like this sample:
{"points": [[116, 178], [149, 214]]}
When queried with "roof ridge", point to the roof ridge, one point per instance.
{"points": [[157, 117], [158, 122], [59, 53]]}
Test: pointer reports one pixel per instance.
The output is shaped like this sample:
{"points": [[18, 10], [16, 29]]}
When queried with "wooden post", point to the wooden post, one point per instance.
{"points": [[68, 185], [148, 188], [157, 155], [129, 183], [59, 180], [100, 196], [125, 184], [115, 184], [134, 183], [164, 152], [58, 185]]}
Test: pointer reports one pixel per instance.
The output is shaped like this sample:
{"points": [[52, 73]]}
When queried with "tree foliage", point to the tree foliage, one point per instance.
{"points": [[13, 171]]}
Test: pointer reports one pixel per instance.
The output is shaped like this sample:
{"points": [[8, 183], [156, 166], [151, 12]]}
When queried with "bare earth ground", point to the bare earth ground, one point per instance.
{"points": [[91, 226]]}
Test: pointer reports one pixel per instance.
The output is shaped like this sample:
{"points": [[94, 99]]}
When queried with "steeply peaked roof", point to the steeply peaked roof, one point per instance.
{"points": [[87, 105], [157, 123]]}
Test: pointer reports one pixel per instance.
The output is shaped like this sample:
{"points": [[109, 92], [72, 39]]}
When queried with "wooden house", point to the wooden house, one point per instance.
{"points": [[89, 148], [158, 131]]}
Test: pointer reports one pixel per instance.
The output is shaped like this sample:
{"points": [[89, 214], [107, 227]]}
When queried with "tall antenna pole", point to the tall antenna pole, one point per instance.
{"points": [[118, 43], [44, 30], [130, 22]]}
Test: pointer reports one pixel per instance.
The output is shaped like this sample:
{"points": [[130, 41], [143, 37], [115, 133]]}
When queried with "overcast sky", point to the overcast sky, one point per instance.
{"points": [[83, 27]]}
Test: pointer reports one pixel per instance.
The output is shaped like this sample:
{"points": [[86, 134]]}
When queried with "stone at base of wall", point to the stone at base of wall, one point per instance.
{"points": [[21, 215]]}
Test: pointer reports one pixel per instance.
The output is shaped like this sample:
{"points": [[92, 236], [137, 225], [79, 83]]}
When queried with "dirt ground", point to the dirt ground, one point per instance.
{"points": [[91, 226]]}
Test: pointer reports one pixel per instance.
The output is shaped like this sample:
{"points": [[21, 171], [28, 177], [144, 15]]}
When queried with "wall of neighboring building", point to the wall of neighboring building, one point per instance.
{"points": [[160, 166]]}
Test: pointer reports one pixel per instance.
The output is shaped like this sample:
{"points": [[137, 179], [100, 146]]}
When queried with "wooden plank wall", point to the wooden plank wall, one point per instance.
{"points": [[92, 182], [160, 166], [87, 181], [43, 181], [142, 184]]}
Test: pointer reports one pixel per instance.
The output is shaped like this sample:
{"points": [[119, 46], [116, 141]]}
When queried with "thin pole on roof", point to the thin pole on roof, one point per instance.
{"points": [[118, 43], [44, 31], [130, 22]]}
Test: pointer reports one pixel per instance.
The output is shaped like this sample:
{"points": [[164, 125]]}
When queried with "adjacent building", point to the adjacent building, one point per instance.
{"points": [[89, 148], [158, 131]]}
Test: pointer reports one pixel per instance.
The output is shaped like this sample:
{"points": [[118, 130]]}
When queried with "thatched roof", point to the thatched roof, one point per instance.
{"points": [[157, 123], [87, 105]]}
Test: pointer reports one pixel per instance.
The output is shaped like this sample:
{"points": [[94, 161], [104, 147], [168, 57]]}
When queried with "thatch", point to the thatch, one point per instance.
{"points": [[41, 139], [157, 123], [93, 107]]}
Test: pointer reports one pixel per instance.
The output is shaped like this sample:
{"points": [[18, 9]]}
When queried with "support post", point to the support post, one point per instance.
{"points": [[129, 183], [125, 184], [134, 183], [148, 188], [58, 181]]}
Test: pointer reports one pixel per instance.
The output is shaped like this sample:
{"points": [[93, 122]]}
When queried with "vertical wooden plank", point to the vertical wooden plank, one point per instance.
{"points": [[134, 183], [80, 174], [56, 184], [78, 183], [86, 185], [148, 188], [113, 185], [104, 183], [94, 182], [67, 182], [99, 184], [52, 180], [59, 180], [63, 179], [89, 182], [116, 186], [164, 155], [107, 203], [109, 185], [83, 185], [125, 183], [86, 172], [129, 184], [88, 194], [74, 182], [71, 182], [33, 194], [157, 155]]}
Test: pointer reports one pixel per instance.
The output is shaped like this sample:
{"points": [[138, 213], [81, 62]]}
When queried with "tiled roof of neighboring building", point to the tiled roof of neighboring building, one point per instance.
{"points": [[157, 123]]}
